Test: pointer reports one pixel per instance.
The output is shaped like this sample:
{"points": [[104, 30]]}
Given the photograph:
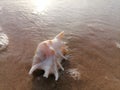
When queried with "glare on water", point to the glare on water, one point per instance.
{"points": [[41, 5]]}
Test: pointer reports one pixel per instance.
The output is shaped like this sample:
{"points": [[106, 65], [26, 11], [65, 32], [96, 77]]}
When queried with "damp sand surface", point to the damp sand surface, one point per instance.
{"points": [[92, 32]]}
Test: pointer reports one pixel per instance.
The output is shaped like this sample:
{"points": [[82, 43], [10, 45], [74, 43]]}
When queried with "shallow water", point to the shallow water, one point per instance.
{"points": [[91, 32]]}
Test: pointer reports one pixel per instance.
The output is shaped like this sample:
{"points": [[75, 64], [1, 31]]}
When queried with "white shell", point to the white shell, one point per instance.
{"points": [[49, 55]]}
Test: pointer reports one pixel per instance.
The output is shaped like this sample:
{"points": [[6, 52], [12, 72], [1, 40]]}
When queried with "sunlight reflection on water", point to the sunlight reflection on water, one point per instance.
{"points": [[41, 5]]}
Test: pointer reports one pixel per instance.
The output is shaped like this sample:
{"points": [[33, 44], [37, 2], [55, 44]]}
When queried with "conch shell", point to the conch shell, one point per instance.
{"points": [[49, 55]]}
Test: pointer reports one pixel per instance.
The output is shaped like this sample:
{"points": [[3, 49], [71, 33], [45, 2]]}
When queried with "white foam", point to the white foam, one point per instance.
{"points": [[74, 73], [3, 41], [0, 9], [117, 44]]}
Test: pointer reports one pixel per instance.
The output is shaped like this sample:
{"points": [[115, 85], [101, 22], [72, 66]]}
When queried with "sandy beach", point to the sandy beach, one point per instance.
{"points": [[92, 32]]}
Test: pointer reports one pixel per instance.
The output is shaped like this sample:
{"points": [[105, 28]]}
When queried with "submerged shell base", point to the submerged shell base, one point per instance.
{"points": [[49, 67]]}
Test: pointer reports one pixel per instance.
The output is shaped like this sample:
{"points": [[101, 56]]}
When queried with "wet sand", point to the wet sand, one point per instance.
{"points": [[91, 32]]}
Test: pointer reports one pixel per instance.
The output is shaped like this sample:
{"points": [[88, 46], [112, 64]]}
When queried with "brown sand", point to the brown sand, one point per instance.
{"points": [[91, 32]]}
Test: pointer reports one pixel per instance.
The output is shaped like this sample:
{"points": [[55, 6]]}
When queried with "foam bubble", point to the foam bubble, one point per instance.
{"points": [[74, 73], [117, 44], [3, 41]]}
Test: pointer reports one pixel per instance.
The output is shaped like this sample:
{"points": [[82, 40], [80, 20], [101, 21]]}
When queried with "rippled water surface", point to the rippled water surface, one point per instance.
{"points": [[92, 32]]}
